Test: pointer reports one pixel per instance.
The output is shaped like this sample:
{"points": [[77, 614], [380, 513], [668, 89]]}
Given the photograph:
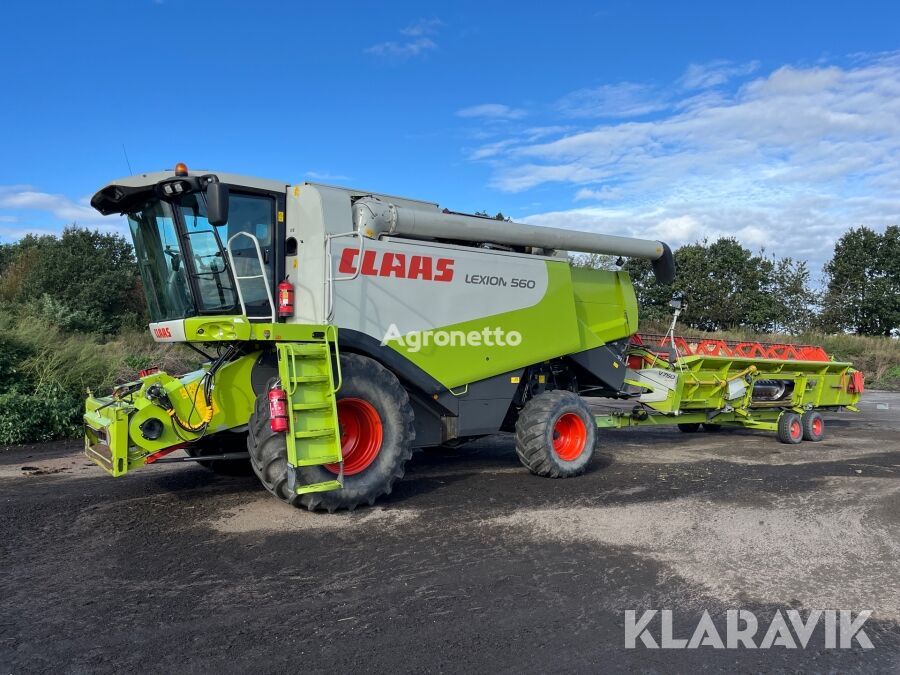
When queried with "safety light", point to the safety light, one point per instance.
{"points": [[181, 169]]}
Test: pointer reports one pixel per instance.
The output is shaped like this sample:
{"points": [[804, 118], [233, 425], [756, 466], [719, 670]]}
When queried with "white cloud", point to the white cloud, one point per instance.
{"points": [[58, 207], [402, 49], [626, 99], [714, 73], [492, 111], [422, 27], [418, 43], [790, 159], [604, 193]]}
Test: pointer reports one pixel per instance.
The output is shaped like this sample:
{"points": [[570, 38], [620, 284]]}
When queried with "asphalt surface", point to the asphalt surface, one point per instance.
{"points": [[472, 564]]}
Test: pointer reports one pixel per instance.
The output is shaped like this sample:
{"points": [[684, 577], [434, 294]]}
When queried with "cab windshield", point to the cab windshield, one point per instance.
{"points": [[160, 262], [190, 274]]}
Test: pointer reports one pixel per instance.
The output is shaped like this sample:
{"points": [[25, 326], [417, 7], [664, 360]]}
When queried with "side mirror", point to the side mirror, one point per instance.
{"points": [[217, 203]]}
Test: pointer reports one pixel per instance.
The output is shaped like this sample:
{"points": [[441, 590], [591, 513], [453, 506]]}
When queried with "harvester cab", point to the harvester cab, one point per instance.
{"points": [[342, 329]]}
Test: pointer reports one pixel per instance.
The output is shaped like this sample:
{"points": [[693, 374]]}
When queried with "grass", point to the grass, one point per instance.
{"points": [[45, 374], [877, 357]]}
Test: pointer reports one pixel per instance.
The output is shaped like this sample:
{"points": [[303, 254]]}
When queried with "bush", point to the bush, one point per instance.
{"points": [[27, 418]]}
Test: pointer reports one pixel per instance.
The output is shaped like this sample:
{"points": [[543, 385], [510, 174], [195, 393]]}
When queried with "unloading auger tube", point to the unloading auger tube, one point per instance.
{"points": [[375, 218]]}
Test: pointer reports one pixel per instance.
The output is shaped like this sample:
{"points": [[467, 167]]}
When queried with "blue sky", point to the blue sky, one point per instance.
{"points": [[778, 123]]}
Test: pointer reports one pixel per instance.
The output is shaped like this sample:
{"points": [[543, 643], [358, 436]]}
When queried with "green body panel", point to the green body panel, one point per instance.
{"points": [[239, 329], [605, 306], [113, 437], [313, 436], [581, 309]]}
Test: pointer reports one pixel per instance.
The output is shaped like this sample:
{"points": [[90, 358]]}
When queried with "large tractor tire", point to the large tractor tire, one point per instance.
{"points": [[556, 434], [219, 444], [376, 421]]}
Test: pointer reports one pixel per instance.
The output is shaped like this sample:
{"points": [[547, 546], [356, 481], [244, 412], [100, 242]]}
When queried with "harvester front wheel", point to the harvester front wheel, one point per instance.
{"points": [[556, 434], [790, 428], [813, 426], [377, 432]]}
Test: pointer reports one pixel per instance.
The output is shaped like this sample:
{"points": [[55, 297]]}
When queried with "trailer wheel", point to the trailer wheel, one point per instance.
{"points": [[377, 432], [689, 427], [556, 434], [790, 428], [813, 426]]}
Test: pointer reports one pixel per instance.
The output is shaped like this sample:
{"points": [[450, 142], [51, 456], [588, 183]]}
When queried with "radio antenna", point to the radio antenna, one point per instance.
{"points": [[125, 152]]}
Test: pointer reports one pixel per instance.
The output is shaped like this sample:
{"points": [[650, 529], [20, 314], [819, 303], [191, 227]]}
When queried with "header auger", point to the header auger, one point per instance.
{"points": [[342, 329]]}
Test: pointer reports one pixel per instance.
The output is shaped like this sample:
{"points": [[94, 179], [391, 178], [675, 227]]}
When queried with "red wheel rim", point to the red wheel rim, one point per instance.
{"points": [[569, 436], [361, 435], [796, 429], [817, 426]]}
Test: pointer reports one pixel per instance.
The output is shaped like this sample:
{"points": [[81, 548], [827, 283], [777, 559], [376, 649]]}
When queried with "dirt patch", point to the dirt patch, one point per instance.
{"points": [[786, 551], [68, 465], [270, 515], [734, 448]]}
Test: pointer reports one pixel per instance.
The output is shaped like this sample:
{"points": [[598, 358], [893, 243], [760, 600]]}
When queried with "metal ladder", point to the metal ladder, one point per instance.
{"points": [[313, 437], [262, 272]]}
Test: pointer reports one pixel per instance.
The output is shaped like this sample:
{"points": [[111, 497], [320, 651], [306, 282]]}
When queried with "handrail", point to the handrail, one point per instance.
{"points": [[329, 270], [262, 269]]}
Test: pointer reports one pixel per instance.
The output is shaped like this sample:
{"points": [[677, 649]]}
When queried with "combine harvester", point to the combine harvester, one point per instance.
{"points": [[341, 329]]}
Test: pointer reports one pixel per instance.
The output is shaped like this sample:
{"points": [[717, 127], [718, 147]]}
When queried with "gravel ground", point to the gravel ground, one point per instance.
{"points": [[472, 564]]}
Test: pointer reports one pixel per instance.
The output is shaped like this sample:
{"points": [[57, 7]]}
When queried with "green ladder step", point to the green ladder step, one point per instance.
{"points": [[310, 379], [318, 405], [310, 349], [318, 487], [314, 433]]}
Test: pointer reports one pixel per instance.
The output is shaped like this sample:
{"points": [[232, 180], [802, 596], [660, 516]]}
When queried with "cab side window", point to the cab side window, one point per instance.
{"points": [[254, 215]]}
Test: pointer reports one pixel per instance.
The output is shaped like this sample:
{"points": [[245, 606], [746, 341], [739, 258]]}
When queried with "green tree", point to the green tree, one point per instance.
{"points": [[863, 283], [82, 280], [792, 300], [597, 261], [726, 286]]}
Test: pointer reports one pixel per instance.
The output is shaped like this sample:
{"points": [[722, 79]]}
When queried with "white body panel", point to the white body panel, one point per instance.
{"points": [[410, 284], [168, 331], [416, 286]]}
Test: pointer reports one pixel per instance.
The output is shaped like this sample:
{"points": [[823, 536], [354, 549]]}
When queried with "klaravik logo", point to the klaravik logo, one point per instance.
{"points": [[398, 265], [742, 629]]}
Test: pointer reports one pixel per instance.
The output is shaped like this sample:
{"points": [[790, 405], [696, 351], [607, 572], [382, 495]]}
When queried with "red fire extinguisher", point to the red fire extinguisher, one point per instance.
{"points": [[285, 298], [278, 409]]}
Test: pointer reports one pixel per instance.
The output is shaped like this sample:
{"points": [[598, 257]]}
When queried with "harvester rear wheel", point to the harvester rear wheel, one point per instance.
{"points": [[813, 426], [790, 428], [377, 432], [556, 434], [689, 427]]}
